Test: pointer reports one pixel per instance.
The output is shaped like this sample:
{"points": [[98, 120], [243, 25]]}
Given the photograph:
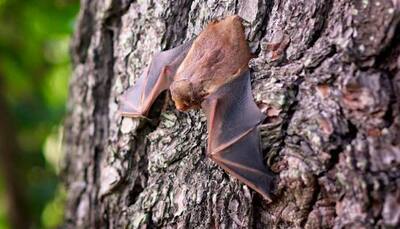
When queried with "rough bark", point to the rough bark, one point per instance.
{"points": [[327, 74]]}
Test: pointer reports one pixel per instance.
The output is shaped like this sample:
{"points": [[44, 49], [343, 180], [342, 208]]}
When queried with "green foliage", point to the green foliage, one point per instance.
{"points": [[54, 211], [34, 70]]}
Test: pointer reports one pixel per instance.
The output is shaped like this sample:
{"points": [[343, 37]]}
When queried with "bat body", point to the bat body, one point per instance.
{"points": [[211, 73]]}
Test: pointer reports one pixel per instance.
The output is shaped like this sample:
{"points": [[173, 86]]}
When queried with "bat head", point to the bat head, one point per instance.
{"points": [[184, 95]]}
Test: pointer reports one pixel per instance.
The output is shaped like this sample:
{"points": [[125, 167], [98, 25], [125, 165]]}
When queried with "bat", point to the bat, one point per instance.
{"points": [[211, 73]]}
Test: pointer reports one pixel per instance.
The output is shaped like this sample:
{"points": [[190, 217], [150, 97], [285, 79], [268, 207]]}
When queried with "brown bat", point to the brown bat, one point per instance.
{"points": [[211, 73]]}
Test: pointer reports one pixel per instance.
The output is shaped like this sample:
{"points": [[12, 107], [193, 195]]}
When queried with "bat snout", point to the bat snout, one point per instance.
{"points": [[181, 106]]}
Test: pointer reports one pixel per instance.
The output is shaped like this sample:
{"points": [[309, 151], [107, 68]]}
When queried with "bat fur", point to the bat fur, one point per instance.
{"points": [[211, 72]]}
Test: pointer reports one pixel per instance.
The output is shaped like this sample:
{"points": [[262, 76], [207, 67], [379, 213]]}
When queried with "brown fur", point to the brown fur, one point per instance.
{"points": [[218, 55]]}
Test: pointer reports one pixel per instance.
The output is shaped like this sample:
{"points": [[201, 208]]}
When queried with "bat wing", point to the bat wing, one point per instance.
{"points": [[156, 78], [233, 135]]}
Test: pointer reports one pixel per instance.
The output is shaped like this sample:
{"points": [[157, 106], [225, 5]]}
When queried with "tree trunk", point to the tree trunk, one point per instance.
{"points": [[325, 71]]}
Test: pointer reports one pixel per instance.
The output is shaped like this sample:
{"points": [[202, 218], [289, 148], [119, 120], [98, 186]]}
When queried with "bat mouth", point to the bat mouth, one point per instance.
{"points": [[182, 106]]}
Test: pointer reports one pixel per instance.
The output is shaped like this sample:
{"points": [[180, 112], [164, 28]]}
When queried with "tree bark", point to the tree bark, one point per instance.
{"points": [[325, 71]]}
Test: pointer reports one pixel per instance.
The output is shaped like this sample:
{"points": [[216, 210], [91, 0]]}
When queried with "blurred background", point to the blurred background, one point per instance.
{"points": [[34, 72]]}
